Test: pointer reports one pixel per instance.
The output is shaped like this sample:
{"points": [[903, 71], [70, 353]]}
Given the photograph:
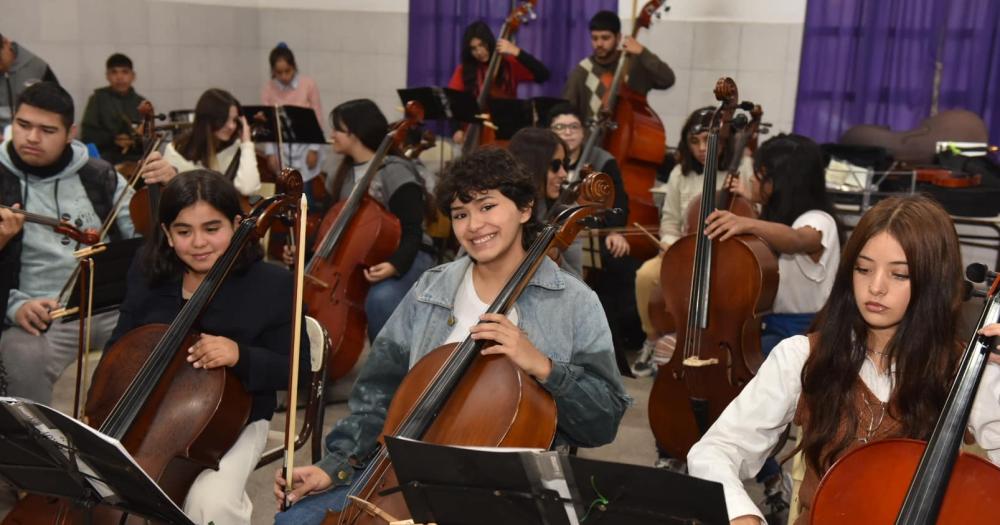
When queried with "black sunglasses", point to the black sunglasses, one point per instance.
{"points": [[557, 163]]}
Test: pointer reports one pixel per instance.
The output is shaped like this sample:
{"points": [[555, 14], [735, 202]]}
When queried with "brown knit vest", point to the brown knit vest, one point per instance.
{"points": [[888, 427]]}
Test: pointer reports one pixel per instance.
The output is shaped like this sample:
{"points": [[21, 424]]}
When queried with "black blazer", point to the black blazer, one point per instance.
{"points": [[253, 307]]}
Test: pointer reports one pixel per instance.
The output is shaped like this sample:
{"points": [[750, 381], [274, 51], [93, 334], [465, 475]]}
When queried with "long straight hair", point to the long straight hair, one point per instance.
{"points": [[795, 166], [363, 119], [534, 148], [161, 263], [210, 114], [924, 349], [470, 66]]}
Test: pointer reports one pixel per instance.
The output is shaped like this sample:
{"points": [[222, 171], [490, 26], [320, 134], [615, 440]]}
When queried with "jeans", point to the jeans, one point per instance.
{"points": [[384, 296], [312, 510], [778, 327]]}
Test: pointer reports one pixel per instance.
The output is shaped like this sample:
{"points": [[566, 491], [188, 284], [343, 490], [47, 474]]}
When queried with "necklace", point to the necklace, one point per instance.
{"points": [[873, 422]]}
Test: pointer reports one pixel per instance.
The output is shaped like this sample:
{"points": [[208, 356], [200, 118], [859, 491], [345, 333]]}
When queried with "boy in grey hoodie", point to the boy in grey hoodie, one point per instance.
{"points": [[57, 179]]}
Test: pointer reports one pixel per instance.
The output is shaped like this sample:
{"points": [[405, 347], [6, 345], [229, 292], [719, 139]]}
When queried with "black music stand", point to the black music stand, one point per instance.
{"points": [[497, 487], [46, 452], [299, 125], [110, 266], [441, 103]]}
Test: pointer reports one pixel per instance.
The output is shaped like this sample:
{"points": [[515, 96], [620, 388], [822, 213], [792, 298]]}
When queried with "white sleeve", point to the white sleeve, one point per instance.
{"points": [[823, 223], [984, 420], [739, 442], [177, 160], [672, 215], [247, 179]]}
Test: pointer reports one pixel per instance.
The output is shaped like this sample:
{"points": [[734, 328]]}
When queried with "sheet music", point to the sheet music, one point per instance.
{"points": [[548, 468], [34, 414]]}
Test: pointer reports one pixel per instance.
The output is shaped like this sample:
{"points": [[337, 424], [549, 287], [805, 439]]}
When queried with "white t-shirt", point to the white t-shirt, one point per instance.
{"points": [[804, 285], [468, 307]]}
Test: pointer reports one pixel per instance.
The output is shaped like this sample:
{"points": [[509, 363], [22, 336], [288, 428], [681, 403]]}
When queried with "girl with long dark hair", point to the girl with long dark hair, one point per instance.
{"points": [[516, 66], [218, 135], [797, 221], [246, 326], [358, 129], [878, 363], [544, 157]]}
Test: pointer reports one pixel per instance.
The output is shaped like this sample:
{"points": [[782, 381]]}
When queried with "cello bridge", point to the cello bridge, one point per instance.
{"points": [[697, 362]]}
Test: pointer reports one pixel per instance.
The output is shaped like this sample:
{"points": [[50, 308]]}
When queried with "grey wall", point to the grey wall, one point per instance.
{"points": [[180, 49]]}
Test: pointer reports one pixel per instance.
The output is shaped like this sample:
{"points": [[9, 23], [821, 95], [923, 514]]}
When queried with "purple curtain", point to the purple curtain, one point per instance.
{"points": [[865, 62], [970, 55], [558, 37]]}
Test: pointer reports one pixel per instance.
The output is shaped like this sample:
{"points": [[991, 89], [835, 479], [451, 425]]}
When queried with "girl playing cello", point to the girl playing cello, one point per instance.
{"points": [[358, 128], [556, 332], [878, 364], [684, 184], [199, 211], [219, 133]]}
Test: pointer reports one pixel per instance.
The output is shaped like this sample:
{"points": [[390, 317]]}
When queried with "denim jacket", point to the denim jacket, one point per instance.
{"points": [[563, 319]]}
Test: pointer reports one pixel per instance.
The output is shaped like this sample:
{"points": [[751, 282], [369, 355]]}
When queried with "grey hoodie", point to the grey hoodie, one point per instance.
{"points": [[46, 262], [26, 70]]}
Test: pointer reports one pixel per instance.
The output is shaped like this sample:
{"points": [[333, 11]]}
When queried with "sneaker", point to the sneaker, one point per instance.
{"points": [[643, 365], [671, 464], [777, 498]]}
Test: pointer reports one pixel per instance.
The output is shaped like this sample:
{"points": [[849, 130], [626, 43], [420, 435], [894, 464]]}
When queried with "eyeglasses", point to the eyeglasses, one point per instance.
{"points": [[559, 128], [558, 163]]}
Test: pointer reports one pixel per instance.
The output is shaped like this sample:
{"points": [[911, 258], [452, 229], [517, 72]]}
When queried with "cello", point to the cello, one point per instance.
{"points": [[454, 395], [143, 208], [746, 136], [355, 234], [475, 135], [921, 483], [716, 292], [175, 420], [634, 135]]}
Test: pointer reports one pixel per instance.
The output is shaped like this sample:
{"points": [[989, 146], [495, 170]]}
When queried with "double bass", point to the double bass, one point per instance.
{"points": [[456, 396], [175, 420], [633, 133], [922, 483], [355, 234], [476, 135], [716, 291]]}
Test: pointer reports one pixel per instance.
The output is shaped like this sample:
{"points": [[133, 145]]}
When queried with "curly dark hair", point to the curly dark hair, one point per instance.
{"points": [[488, 168], [160, 262]]}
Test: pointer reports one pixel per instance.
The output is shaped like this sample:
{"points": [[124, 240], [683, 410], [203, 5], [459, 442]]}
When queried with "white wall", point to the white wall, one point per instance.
{"points": [[757, 43], [182, 48]]}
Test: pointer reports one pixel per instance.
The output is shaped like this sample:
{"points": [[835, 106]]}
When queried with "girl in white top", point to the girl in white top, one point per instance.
{"points": [[886, 336], [797, 221], [685, 183], [218, 133]]}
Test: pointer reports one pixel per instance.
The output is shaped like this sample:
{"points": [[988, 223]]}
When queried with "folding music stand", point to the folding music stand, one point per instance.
{"points": [[442, 103], [299, 125], [110, 265], [48, 453], [496, 487]]}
